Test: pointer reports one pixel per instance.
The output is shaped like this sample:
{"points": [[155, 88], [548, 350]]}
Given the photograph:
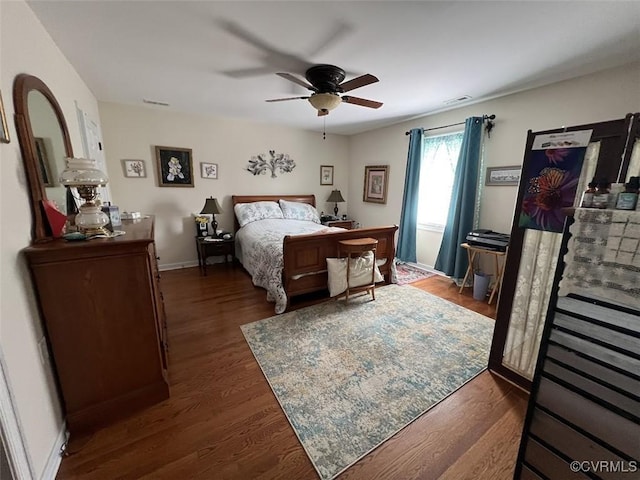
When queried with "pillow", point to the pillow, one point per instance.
{"points": [[299, 211], [251, 212], [359, 273]]}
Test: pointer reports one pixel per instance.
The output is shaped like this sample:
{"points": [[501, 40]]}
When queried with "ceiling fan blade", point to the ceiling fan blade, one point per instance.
{"points": [[363, 102], [248, 72], [240, 32], [273, 58], [323, 112], [285, 99], [299, 81], [358, 82], [339, 30]]}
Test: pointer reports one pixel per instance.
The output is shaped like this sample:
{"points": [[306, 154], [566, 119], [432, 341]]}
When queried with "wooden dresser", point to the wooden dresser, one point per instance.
{"points": [[102, 308]]}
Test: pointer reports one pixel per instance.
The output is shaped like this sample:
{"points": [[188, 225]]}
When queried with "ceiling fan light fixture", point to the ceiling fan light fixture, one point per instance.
{"points": [[325, 101]]}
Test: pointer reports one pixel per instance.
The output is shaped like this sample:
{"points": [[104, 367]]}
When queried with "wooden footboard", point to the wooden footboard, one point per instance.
{"points": [[305, 255]]}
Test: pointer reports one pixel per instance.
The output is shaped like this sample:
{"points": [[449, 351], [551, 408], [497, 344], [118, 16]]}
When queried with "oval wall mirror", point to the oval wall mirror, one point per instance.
{"points": [[44, 143]]}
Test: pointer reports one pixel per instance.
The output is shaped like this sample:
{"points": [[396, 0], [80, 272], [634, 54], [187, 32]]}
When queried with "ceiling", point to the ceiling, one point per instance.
{"points": [[220, 58]]}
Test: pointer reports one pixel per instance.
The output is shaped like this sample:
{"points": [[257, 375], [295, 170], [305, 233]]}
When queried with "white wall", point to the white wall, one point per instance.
{"points": [[133, 132], [25, 47], [602, 96]]}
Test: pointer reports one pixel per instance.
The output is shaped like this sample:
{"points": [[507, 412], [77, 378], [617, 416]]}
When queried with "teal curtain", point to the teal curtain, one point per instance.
{"points": [[452, 259], [406, 251]]}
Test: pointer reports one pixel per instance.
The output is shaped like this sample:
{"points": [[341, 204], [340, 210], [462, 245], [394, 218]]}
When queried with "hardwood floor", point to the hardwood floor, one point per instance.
{"points": [[223, 422]]}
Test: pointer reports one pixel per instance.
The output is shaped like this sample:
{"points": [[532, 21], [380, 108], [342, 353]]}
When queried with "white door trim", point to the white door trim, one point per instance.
{"points": [[11, 430]]}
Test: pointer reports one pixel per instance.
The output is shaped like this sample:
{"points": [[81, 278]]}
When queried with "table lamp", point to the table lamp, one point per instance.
{"points": [[211, 207], [335, 197], [83, 174]]}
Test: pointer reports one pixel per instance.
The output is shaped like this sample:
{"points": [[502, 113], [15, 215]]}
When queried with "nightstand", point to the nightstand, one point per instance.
{"points": [[213, 247], [348, 224]]}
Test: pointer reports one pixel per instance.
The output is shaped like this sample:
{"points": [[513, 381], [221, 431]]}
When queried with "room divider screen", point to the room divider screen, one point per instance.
{"points": [[613, 153]]}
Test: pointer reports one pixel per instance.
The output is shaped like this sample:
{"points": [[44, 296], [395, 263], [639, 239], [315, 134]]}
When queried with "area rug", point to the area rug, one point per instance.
{"points": [[349, 376], [407, 273]]}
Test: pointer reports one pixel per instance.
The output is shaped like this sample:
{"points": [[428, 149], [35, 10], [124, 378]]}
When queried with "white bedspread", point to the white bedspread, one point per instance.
{"points": [[259, 249]]}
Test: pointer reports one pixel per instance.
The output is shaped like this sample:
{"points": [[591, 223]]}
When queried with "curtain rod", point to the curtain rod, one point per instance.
{"points": [[484, 117]]}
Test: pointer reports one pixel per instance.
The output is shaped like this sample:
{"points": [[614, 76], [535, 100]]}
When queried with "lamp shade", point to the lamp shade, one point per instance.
{"points": [[211, 206], [82, 172], [325, 101], [335, 197]]}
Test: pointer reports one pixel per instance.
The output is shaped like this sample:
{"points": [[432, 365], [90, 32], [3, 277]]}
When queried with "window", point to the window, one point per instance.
{"points": [[436, 179]]}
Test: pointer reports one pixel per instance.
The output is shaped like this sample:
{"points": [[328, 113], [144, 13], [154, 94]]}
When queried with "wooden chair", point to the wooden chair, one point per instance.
{"points": [[357, 247]]}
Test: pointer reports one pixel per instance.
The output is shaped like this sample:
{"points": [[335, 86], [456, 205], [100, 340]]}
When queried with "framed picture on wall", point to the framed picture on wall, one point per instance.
{"points": [[503, 175], [134, 168], [376, 179], [175, 167], [326, 174], [209, 170]]}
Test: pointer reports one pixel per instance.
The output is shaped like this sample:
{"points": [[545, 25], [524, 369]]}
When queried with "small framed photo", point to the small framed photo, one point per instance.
{"points": [[43, 162], [209, 170], [376, 178], [503, 175], [326, 174], [175, 167], [4, 128], [134, 168]]}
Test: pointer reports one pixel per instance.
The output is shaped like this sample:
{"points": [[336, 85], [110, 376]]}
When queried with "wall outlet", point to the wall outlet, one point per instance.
{"points": [[44, 351]]}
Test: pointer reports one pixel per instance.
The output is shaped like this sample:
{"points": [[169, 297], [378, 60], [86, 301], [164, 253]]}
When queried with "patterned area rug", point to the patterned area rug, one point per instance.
{"points": [[349, 376], [408, 274]]}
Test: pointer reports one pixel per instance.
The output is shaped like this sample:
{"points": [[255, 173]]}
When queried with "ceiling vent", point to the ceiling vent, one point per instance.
{"points": [[153, 102], [453, 101]]}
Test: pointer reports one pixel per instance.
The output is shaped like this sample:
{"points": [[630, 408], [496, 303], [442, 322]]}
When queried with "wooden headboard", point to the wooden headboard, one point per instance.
{"points": [[310, 199]]}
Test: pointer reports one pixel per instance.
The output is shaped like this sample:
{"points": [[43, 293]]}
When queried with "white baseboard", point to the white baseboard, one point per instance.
{"points": [[177, 266], [426, 268], [189, 264], [55, 457]]}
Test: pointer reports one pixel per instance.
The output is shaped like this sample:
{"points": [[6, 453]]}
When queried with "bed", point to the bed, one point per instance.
{"points": [[287, 256]]}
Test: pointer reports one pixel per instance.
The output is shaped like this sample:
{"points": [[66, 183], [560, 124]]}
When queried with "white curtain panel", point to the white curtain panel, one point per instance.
{"points": [[537, 269], [531, 300]]}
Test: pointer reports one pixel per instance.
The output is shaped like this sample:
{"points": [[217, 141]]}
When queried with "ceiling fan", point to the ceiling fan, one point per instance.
{"points": [[327, 83]]}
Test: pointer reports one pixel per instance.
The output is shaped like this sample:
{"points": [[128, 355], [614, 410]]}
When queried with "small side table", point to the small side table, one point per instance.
{"points": [[472, 251], [213, 247], [358, 246], [348, 224]]}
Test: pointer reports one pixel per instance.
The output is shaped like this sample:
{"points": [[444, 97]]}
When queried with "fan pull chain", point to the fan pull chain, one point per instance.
{"points": [[324, 127]]}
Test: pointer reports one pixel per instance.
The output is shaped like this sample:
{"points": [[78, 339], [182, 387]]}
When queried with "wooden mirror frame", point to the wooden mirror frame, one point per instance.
{"points": [[22, 85]]}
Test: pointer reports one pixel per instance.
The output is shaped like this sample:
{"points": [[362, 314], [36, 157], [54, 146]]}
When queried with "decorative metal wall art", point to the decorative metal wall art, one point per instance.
{"points": [[280, 162]]}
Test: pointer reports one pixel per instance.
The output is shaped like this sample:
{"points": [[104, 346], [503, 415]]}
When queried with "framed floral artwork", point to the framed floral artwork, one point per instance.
{"points": [[175, 167], [376, 179], [326, 174], [134, 168], [209, 170], [551, 173]]}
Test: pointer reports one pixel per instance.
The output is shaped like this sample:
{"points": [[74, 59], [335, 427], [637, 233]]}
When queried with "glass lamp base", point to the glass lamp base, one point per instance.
{"points": [[91, 220]]}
